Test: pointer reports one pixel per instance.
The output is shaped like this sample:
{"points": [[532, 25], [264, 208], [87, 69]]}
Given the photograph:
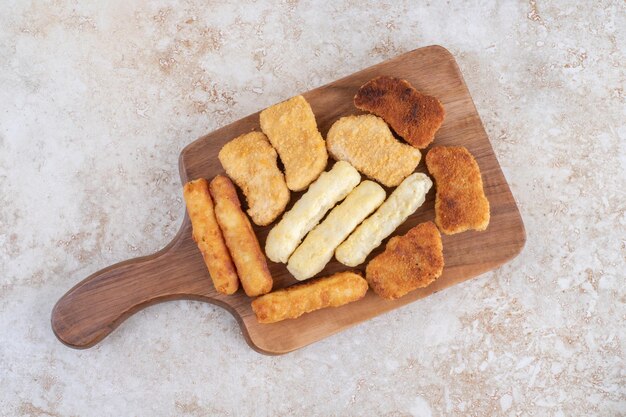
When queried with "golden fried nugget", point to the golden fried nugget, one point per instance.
{"points": [[207, 234], [460, 202], [413, 115], [409, 262], [240, 238], [367, 143], [290, 303], [291, 128], [250, 161]]}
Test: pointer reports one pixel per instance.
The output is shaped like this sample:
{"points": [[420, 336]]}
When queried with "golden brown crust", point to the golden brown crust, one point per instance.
{"points": [[292, 130], [250, 161], [460, 203], [412, 115], [409, 262], [292, 302], [207, 234], [367, 143], [240, 238]]}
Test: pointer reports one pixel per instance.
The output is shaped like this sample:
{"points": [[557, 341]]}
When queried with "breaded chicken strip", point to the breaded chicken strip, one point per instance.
{"points": [[330, 188], [250, 161], [460, 203], [367, 143], [412, 115], [290, 303], [240, 238], [318, 247], [207, 234], [292, 130], [409, 262], [402, 202]]}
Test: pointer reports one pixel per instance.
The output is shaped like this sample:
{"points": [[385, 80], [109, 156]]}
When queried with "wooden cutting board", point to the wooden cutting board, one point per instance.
{"points": [[100, 303]]}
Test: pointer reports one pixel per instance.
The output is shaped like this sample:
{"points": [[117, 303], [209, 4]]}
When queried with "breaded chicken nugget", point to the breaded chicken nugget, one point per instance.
{"points": [[409, 262], [460, 202], [240, 238], [330, 188], [319, 245], [207, 234], [367, 143], [250, 161], [402, 202], [413, 115], [290, 303], [292, 130]]}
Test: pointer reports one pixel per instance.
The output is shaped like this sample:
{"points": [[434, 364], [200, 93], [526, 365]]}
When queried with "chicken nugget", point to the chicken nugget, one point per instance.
{"points": [[402, 202], [412, 115], [330, 188], [409, 262], [319, 245], [292, 302], [207, 234], [250, 161], [240, 238], [367, 143], [460, 202], [291, 128]]}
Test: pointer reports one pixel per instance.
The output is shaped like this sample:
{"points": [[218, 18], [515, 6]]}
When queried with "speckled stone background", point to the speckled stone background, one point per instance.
{"points": [[98, 98]]}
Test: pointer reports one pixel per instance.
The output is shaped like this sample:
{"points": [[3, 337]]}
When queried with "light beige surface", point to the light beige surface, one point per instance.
{"points": [[97, 102]]}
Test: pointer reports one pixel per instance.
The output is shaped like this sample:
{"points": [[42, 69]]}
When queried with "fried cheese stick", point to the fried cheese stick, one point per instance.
{"points": [[330, 188], [402, 202], [292, 302], [207, 234], [320, 244], [240, 238]]}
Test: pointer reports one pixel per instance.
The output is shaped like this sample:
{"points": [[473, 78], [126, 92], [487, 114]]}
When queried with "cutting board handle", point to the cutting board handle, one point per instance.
{"points": [[96, 306]]}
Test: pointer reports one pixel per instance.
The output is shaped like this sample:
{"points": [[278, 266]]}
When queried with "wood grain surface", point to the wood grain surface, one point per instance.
{"points": [[97, 305]]}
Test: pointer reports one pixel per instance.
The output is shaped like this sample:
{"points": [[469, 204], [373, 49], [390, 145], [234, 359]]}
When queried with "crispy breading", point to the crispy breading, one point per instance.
{"points": [[402, 202], [291, 128], [319, 245], [250, 161], [207, 234], [240, 238], [292, 302], [409, 262], [330, 188], [460, 202], [412, 115], [367, 143]]}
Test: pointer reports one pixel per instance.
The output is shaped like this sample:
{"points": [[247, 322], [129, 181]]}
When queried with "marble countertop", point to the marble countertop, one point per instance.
{"points": [[97, 102]]}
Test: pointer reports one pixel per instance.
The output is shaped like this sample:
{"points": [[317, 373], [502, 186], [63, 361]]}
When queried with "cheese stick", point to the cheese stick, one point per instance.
{"points": [[240, 238], [403, 202], [292, 302], [330, 188], [320, 244], [207, 234]]}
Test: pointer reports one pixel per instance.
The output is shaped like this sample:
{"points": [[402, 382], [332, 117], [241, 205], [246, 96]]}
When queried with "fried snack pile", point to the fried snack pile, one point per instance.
{"points": [[330, 188], [367, 143], [412, 115], [292, 131], [319, 245], [460, 202], [292, 302], [250, 161], [409, 262], [240, 238], [208, 236], [402, 202]]}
